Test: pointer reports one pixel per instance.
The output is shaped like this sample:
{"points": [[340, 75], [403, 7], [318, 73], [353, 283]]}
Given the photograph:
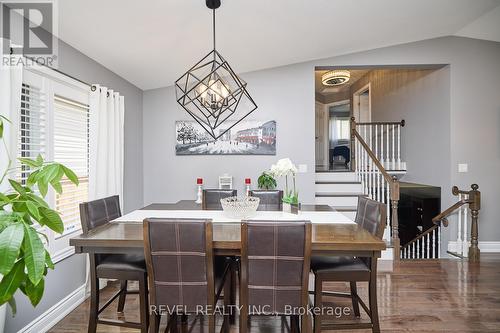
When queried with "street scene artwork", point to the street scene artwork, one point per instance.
{"points": [[249, 137]]}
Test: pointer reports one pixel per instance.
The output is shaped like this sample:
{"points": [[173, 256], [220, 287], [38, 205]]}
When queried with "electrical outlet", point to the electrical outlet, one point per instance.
{"points": [[463, 167]]}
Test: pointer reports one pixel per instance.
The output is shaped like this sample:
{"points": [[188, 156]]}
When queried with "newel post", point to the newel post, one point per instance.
{"points": [[353, 144], [394, 217], [474, 206]]}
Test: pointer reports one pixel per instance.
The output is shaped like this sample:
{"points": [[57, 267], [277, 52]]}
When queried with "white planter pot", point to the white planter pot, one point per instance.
{"points": [[3, 313]]}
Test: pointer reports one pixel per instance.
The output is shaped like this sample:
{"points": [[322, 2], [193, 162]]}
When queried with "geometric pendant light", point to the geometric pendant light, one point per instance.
{"points": [[212, 93]]}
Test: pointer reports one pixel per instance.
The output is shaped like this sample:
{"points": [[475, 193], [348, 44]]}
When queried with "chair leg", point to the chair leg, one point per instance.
{"points": [[354, 296], [294, 324], [244, 319], [304, 324], [318, 303], [173, 324], [372, 294], [143, 303], [154, 323], [123, 295], [211, 323], [94, 300]]}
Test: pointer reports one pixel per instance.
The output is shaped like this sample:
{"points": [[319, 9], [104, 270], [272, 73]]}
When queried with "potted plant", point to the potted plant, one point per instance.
{"points": [[266, 181], [24, 259], [286, 168]]}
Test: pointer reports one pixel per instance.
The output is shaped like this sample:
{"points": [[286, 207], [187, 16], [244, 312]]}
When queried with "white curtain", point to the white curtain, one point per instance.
{"points": [[106, 143], [11, 79]]}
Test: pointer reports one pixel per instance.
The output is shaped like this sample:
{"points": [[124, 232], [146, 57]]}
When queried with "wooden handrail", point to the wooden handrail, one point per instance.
{"points": [[443, 215], [392, 182], [422, 235], [370, 153], [402, 123]]}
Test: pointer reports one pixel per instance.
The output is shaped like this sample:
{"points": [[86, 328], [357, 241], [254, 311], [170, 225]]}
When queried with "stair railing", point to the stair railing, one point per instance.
{"points": [[384, 139], [469, 201], [427, 244], [376, 183]]}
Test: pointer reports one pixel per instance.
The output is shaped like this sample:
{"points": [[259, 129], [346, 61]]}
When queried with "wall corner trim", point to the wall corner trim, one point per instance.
{"points": [[57, 312]]}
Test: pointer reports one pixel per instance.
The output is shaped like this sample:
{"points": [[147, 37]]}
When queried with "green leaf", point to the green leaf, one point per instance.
{"points": [[11, 239], [1, 128], [29, 162], [71, 175], [51, 219], [38, 200], [32, 178], [48, 260], [57, 186], [39, 159], [50, 172], [34, 254], [33, 210], [17, 187], [35, 292], [11, 282], [43, 186]]}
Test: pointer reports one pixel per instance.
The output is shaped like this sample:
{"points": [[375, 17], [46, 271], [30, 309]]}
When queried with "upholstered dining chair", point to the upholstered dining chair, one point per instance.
{"points": [[96, 214], [274, 276], [370, 216], [211, 198], [269, 199], [180, 264]]}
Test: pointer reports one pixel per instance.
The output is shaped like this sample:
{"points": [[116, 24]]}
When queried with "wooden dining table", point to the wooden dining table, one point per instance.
{"points": [[341, 236], [333, 233]]}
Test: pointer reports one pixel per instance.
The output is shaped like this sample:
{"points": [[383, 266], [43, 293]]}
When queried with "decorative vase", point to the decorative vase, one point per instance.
{"points": [[291, 208]]}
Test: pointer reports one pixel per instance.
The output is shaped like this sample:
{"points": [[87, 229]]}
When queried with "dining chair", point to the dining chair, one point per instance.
{"points": [[370, 216], [269, 199], [180, 265], [122, 267], [274, 276], [211, 198]]}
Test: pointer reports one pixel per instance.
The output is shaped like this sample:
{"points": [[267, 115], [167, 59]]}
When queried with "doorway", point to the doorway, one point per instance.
{"points": [[362, 106]]}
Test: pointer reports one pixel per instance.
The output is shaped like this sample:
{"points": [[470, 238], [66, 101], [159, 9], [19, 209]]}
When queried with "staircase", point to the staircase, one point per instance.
{"points": [[339, 190]]}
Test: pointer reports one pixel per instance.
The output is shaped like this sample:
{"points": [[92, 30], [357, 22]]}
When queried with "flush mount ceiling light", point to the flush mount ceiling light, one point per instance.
{"points": [[335, 78], [212, 93]]}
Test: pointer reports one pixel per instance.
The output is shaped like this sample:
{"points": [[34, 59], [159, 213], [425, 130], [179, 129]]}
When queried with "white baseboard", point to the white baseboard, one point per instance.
{"points": [[56, 313], [485, 247]]}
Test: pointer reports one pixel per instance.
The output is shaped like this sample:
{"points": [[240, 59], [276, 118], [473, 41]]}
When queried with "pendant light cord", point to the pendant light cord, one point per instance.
{"points": [[213, 22]]}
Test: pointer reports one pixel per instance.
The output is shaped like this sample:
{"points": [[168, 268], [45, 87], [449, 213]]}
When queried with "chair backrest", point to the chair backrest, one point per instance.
{"points": [[211, 198], [99, 212], [179, 259], [269, 199], [371, 216], [275, 262]]}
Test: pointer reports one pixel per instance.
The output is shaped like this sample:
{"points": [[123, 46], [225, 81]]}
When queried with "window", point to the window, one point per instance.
{"points": [[342, 126], [71, 148], [54, 122]]}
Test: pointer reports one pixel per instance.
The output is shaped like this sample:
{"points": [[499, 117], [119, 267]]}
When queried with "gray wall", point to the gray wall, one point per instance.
{"points": [[69, 274], [463, 123], [280, 96]]}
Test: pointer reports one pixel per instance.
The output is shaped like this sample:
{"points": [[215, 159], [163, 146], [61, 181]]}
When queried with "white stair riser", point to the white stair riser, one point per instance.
{"points": [[339, 188], [337, 201], [336, 177]]}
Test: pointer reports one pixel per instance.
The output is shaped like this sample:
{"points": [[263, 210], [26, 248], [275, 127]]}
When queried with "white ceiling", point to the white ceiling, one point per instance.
{"points": [[152, 42]]}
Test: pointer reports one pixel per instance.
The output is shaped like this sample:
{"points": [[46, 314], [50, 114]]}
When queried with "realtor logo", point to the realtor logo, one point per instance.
{"points": [[28, 29]]}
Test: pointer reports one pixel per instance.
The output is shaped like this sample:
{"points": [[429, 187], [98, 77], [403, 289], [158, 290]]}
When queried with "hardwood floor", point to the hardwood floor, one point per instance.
{"points": [[418, 296]]}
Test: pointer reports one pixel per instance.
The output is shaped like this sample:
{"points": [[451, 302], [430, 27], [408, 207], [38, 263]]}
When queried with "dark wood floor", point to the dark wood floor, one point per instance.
{"points": [[418, 296]]}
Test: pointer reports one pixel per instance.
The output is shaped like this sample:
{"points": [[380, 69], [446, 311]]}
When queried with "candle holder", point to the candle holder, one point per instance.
{"points": [[248, 182], [199, 183]]}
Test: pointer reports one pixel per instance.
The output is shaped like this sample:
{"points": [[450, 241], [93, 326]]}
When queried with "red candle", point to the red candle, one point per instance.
{"points": [[199, 181], [248, 181]]}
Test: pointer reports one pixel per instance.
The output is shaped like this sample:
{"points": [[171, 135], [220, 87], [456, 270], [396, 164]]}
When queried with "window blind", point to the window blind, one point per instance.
{"points": [[71, 148], [32, 134]]}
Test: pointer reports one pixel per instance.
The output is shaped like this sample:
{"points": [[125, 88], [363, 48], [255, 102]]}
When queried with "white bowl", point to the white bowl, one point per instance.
{"points": [[240, 208]]}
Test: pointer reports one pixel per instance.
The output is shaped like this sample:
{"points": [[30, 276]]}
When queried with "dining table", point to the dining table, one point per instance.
{"points": [[333, 233]]}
